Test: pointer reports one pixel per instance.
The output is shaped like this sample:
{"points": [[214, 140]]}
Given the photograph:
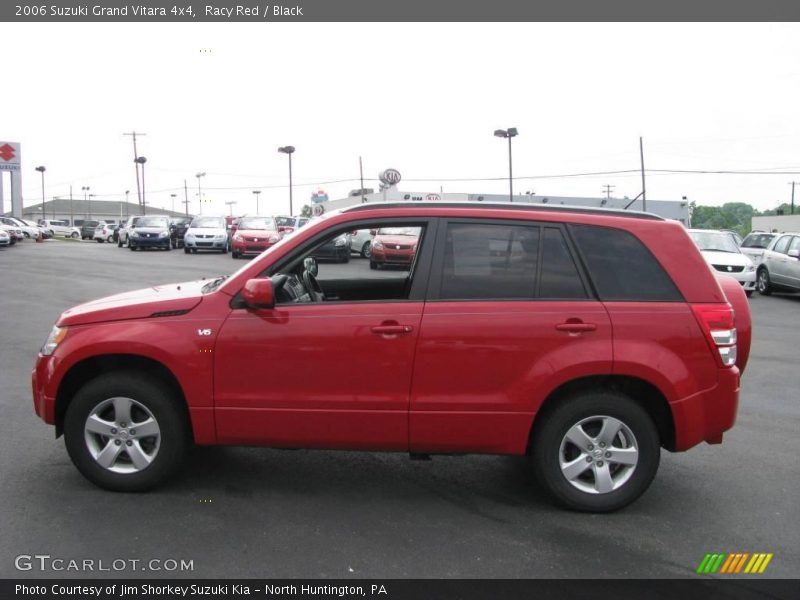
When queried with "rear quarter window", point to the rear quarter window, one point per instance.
{"points": [[621, 267]]}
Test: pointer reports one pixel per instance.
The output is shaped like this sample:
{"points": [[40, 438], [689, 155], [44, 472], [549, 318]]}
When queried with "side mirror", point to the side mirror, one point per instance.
{"points": [[310, 265], [794, 253], [373, 232], [259, 293]]}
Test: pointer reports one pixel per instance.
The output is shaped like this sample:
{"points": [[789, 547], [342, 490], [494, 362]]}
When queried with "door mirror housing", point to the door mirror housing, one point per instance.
{"points": [[259, 293], [373, 232]]}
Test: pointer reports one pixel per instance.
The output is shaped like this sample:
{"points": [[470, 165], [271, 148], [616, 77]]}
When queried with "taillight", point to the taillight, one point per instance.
{"points": [[718, 322]]}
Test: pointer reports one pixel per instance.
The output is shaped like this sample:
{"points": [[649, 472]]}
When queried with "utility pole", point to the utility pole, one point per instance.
{"points": [[186, 196], [607, 190], [793, 184], [644, 193], [361, 170], [71, 216], [136, 165]]}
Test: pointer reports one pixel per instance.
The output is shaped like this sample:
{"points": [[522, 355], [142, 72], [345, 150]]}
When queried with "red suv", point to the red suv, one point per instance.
{"points": [[589, 339]]}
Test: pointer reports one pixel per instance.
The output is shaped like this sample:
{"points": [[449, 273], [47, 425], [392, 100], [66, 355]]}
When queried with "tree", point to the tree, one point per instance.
{"points": [[305, 211]]}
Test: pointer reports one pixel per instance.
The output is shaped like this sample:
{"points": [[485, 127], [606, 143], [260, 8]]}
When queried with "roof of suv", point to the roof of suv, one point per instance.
{"points": [[507, 206]]}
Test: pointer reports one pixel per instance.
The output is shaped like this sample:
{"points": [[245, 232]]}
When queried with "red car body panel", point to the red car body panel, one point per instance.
{"points": [[397, 249], [484, 368], [466, 376]]}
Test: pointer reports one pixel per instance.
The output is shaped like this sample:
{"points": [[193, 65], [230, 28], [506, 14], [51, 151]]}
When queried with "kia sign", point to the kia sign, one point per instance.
{"points": [[9, 156], [318, 210], [433, 198], [390, 177]]}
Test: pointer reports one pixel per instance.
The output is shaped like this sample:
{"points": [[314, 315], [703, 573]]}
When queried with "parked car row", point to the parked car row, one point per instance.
{"points": [[763, 261], [13, 230]]}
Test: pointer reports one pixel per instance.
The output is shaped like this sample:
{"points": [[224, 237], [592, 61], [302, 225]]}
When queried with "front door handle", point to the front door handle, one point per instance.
{"points": [[576, 327], [391, 329]]}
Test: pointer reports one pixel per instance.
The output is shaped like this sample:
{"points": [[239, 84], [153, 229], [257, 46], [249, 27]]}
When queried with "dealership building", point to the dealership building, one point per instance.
{"points": [[75, 212]]}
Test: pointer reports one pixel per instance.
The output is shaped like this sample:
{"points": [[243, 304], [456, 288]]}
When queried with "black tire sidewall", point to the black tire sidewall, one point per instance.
{"points": [[550, 433], [165, 408]]}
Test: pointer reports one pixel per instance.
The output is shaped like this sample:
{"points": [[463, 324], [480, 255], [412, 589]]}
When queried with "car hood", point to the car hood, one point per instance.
{"points": [[138, 304], [396, 239], [259, 233], [726, 258]]}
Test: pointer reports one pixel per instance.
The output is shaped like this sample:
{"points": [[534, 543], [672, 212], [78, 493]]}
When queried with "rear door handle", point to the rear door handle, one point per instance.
{"points": [[391, 329], [576, 327]]}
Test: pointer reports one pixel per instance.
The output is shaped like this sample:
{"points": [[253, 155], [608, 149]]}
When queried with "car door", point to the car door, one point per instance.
{"points": [[792, 264], [332, 374], [509, 314], [777, 260]]}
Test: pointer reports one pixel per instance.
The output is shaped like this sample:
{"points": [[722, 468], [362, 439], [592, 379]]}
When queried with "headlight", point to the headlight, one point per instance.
{"points": [[134, 234], [163, 234], [221, 236], [340, 241], [188, 235], [377, 246], [274, 239], [53, 340], [237, 238], [751, 268]]}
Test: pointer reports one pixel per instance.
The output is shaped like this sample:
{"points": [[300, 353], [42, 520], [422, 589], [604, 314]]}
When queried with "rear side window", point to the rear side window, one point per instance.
{"points": [[560, 277], [489, 262], [621, 267]]}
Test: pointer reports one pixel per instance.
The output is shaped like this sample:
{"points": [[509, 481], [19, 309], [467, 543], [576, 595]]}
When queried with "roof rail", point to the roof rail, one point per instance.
{"points": [[633, 214]]}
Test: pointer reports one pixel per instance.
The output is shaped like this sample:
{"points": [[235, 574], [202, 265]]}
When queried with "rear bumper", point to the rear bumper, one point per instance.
{"points": [[705, 416]]}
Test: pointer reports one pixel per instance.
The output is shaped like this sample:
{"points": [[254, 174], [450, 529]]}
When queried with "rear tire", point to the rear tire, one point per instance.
{"points": [[119, 402], [588, 470], [373, 265], [185, 250], [366, 249], [763, 283], [74, 235]]}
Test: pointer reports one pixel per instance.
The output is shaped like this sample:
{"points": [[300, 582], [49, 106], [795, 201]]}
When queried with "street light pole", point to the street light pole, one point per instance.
{"points": [[85, 190], [127, 192], [231, 203], [141, 160], [199, 191], [508, 133], [257, 193], [42, 170], [289, 150], [173, 201]]}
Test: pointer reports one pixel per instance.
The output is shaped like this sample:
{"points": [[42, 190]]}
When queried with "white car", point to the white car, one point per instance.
{"points": [[5, 239], [28, 231], [60, 228], [361, 242], [104, 233], [206, 233], [14, 232], [755, 243], [723, 255]]}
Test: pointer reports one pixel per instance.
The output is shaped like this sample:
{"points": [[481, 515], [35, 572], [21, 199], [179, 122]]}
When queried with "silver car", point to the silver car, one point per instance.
{"points": [[779, 270], [755, 243]]}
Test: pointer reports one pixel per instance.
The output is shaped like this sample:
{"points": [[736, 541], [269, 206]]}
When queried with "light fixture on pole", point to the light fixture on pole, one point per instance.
{"points": [[289, 150], [141, 160], [231, 203], [200, 191], [41, 170], [90, 204], [173, 201], [508, 133], [257, 193]]}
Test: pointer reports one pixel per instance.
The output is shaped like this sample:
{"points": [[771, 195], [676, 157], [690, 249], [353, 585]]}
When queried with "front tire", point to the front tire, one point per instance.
{"points": [[74, 235], [185, 250], [596, 451], [763, 283], [373, 265], [125, 433]]}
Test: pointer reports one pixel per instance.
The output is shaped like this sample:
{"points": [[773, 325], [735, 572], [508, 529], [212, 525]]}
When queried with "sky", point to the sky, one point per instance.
{"points": [[424, 99]]}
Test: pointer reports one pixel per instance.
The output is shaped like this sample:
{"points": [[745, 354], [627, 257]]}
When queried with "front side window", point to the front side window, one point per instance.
{"points": [[782, 245], [334, 270]]}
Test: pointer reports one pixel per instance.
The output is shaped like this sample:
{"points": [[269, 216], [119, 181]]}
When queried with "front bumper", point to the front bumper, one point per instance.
{"points": [[705, 416], [249, 247], [205, 243], [43, 403], [148, 242], [392, 257]]}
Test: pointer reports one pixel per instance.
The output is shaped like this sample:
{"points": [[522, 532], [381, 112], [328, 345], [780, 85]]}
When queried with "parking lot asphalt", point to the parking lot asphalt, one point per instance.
{"points": [[254, 512]]}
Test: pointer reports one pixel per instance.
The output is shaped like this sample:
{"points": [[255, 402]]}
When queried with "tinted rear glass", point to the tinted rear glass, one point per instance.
{"points": [[621, 267], [560, 277]]}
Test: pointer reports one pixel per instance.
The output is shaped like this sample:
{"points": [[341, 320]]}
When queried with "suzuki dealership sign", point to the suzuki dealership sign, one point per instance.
{"points": [[10, 156]]}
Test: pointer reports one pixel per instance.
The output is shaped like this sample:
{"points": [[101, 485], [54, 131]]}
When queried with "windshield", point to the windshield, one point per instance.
{"points": [[758, 240], [152, 222], [399, 231], [257, 223], [714, 241], [182, 222], [208, 223]]}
